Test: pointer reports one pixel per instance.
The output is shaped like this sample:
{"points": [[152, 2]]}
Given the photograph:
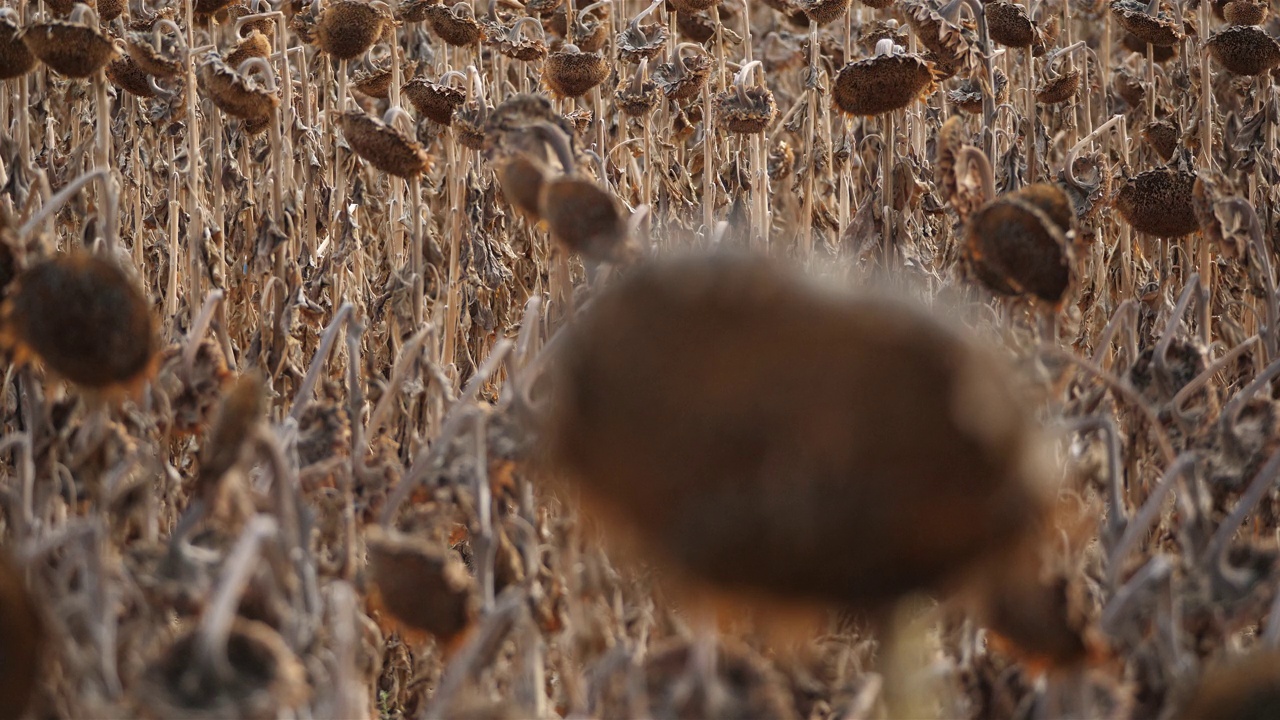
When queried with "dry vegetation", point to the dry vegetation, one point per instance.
{"points": [[282, 283]]}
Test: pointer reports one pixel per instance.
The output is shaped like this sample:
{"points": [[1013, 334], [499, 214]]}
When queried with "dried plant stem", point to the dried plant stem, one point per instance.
{"points": [[708, 163], [215, 624], [449, 349], [1215, 554], [1116, 518], [1156, 570], [1140, 526], [1206, 101], [199, 328], [339, 169], [811, 92], [109, 200], [469, 661], [1216, 367], [886, 183], [409, 353], [416, 262], [195, 218], [56, 202], [303, 397], [1033, 162], [175, 249], [1124, 390], [483, 542], [25, 465], [24, 124]]}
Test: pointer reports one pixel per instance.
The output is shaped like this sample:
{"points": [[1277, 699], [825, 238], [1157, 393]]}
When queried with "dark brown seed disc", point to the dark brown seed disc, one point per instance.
{"points": [[882, 84], [584, 218], [125, 74], [153, 61], [1157, 30], [689, 7], [748, 474], [235, 94], [521, 178], [374, 83], [254, 46], [454, 26], [70, 49], [988, 276], [1159, 202], [1245, 12], [878, 4], [1244, 50], [1059, 89], [424, 588], [1051, 200], [255, 126], [1009, 24], [695, 27], [824, 12], [15, 59], [1163, 137], [348, 28], [109, 10], [1159, 53], [84, 318], [433, 101], [572, 74], [383, 146], [414, 11], [1129, 88], [1025, 247], [746, 112]]}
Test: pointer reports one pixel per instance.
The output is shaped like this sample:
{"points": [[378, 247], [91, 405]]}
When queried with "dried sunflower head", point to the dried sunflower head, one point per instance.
{"points": [[744, 109], [346, 29], [1244, 50], [883, 83], [75, 47], [85, 319], [570, 72], [384, 146], [1159, 202], [15, 59], [455, 25], [1148, 25]]}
